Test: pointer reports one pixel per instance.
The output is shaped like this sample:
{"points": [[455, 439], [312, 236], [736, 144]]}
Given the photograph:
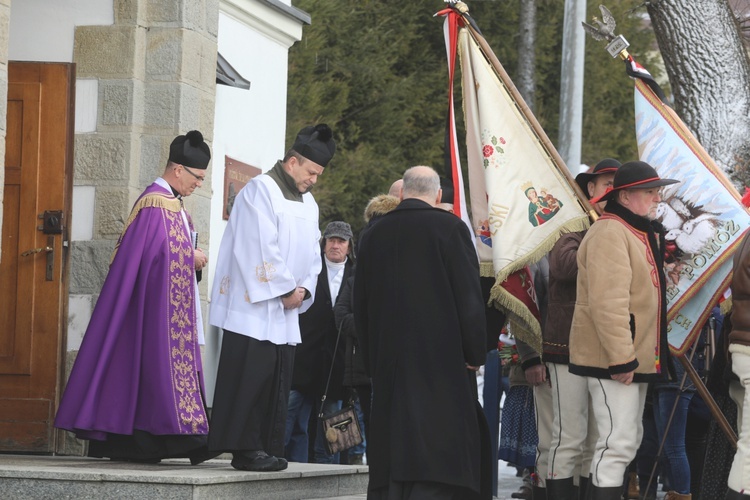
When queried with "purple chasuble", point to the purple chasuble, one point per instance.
{"points": [[139, 365]]}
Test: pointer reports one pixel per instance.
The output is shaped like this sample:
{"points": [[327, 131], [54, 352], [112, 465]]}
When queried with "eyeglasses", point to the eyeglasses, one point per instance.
{"points": [[201, 179]]}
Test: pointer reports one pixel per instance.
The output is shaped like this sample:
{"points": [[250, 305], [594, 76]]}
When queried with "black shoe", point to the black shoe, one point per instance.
{"points": [[200, 456], [256, 461], [283, 464]]}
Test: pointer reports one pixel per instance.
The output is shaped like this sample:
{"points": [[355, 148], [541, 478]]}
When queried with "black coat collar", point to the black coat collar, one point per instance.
{"points": [[412, 204], [636, 221]]}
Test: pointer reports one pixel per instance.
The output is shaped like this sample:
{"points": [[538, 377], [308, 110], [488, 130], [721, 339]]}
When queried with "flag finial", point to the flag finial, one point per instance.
{"points": [[605, 30]]}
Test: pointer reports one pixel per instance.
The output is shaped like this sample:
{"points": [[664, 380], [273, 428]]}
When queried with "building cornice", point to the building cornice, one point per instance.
{"points": [[273, 18]]}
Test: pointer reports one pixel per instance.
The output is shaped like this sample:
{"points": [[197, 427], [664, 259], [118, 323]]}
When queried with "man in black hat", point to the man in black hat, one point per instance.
{"points": [[566, 396], [136, 387], [618, 339], [266, 275]]}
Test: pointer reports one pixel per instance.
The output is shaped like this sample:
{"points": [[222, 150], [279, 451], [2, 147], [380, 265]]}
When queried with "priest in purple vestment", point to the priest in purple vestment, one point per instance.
{"points": [[136, 388]]}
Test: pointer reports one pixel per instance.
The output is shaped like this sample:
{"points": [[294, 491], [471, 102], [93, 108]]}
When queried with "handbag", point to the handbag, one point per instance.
{"points": [[341, 428]]}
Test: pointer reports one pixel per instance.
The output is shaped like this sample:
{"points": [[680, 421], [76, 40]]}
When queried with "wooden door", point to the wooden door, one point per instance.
{"points": [[33, 263]]}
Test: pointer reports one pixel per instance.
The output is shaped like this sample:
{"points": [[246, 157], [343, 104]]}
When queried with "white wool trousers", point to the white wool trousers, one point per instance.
{"points": [[739, 474], [618, 413], [573, 434], [543, 412]]}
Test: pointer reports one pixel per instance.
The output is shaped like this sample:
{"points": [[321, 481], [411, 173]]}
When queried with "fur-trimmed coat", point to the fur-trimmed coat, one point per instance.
{"points": [[619, 322]]}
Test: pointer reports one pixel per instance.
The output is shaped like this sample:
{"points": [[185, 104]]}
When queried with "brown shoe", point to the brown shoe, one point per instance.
{"points": [[633, 489], [673, 495]]}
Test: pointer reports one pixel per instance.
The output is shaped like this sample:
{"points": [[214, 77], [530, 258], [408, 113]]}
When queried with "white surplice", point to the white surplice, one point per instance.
{"points": [[270, 246]]}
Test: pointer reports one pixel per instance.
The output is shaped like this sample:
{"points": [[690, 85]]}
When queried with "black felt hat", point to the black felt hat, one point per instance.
{"points": [[635, 175], [190, 150], [606, 166], [316, 144]]}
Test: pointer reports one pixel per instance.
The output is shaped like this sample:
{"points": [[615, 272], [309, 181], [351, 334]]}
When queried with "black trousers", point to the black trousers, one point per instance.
{"points": [[250, 400]]}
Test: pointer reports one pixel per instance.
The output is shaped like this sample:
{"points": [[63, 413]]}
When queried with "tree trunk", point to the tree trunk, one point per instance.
{"points": [[709, 72], [526, 57]]}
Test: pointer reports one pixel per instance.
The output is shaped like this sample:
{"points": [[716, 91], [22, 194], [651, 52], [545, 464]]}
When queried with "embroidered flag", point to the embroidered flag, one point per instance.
{"points": [[703, 215], [519, 197]]}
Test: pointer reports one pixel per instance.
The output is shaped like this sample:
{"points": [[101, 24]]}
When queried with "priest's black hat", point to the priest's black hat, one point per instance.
{"points": [[316, 144], [190, 150]]}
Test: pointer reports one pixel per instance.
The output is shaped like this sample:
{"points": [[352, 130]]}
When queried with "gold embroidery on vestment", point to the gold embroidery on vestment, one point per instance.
{"points": [[182, 327], [224, 285], [265, 272]]}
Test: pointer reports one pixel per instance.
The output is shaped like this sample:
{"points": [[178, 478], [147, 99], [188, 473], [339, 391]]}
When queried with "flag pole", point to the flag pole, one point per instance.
{"points": [[709, 400], [530, 118]]}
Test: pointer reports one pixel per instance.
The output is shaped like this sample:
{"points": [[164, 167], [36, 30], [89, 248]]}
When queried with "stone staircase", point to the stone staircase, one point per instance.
{"points": [[57, 477]]}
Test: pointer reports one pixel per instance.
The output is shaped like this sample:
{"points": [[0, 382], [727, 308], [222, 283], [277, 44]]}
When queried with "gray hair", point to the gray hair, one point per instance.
{"points": [[421, 181]]}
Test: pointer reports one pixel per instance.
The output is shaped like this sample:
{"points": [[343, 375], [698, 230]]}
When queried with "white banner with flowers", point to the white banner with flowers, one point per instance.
{"points": [[520, 201]]}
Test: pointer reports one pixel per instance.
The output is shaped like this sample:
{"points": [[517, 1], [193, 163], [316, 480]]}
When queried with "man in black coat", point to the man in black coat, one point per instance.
{"points": [[314, 356], [419, 311]]}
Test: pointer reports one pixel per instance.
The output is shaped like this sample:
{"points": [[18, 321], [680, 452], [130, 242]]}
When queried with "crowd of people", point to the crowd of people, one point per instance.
{"points": [[395, 323]]}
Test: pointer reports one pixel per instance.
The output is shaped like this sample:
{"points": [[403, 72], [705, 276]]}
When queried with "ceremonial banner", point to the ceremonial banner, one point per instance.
{"points": [[520, 200], [703, 215]]}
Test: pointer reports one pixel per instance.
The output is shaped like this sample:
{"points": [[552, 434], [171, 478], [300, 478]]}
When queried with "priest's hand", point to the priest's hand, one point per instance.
{"points": [[200, 259], [294, 300]]}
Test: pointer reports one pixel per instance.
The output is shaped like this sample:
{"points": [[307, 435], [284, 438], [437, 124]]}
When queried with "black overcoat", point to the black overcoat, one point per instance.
{"points": [[421, 318], [312, 359]]}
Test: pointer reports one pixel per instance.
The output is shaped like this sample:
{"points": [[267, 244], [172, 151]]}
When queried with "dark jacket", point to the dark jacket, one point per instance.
{"points": [[563, 271], [313, 357], [420, 315], [343, 312], [698, 352], [740, 333]]}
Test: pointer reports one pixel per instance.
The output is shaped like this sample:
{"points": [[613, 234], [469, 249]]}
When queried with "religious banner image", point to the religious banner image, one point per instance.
{"points": [[518, 195], [703, 216]]}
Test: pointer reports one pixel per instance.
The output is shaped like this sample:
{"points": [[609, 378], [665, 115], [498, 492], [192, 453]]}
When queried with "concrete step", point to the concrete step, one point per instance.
{"points": [[39, 477]]}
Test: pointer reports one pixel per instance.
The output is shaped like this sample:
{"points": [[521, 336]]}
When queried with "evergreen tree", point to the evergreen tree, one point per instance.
{"points": [[376, 72]]}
